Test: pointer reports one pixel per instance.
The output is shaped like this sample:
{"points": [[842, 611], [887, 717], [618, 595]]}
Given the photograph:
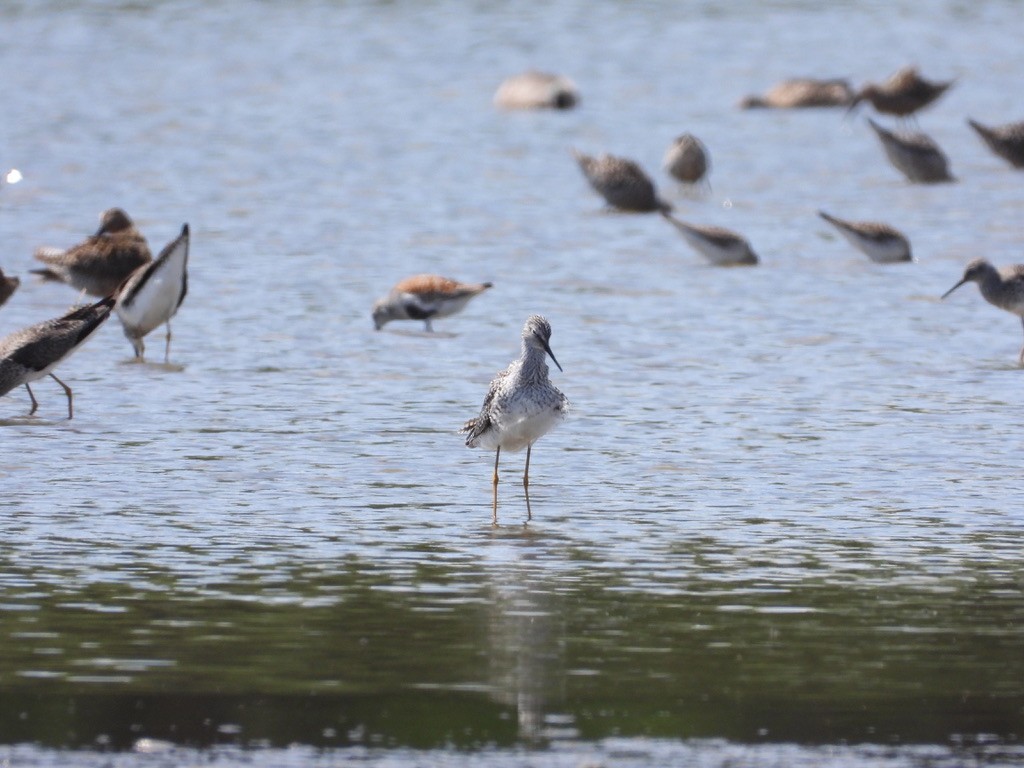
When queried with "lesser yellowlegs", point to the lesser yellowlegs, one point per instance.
{"points": [[914, 154], [536, 90], [8, 285], [720, 246], [100, 264], [34, 352], [152, 294], [879, 242], [621, 182], [1003, 287], [687, 159], [902, 94], [1007, 140], [802, 92], [425, 297], [521, 405]]}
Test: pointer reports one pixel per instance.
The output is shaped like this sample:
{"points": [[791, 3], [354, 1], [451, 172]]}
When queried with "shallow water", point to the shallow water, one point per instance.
{"points": [[781, 527]]}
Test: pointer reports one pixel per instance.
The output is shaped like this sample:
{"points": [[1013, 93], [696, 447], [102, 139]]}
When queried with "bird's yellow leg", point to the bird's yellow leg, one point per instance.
{"points": [[67, 391], [526, 482], [494, 482]]}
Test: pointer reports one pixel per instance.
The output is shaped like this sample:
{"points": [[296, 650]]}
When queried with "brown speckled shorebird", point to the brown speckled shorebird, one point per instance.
{"points": [[903, 94], [802, 92], [1007, 140], [879, 242], [687, 159], [101, 263], [1002, 287], [721, 247], [536, 90], [34, 352], [8, 285], [914, 154], [425, 297], [621, 182], [521, 405]]}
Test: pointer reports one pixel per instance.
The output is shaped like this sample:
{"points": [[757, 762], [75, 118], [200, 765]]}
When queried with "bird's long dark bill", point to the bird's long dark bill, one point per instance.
{"points": [[552, 354], [952, 289]]}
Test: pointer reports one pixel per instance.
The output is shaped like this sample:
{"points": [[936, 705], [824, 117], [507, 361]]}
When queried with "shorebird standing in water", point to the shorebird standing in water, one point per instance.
{"points": [[879, 242], [1007, 141], [802, 92], [1003, 287], [903, 94], [8, 285], [914, 154], [100, 264], [722, 247], [34, 352], [687, 159], [621, 182], [424, 297], [150, 297], [521, 405], [537, 90]]}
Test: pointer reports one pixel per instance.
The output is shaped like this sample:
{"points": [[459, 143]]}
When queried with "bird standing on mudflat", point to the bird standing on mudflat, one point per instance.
{"points": [[621, 182], [150, 297], [521, 405], [902, 94], [100, 264], [914, 154], [424, 297], [1007, 140], [1002, 287], [34, 352], [879, 242]]}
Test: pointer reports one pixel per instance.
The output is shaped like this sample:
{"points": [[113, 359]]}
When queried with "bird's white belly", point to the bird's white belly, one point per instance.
{"points": [[153, 305], [514, 433]]}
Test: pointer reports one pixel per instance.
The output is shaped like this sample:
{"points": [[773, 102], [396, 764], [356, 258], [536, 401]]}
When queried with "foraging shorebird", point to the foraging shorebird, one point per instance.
{"points": [[537, 90], [100, 264], [425, 297], [8, 285], [720, 246], [687, 159], [914, 154], [521, 405], [1007, 141], [621, 182], [1003, 287], [902, 94], [880, 242], [802, 92], [150, 297], [34, 352]]}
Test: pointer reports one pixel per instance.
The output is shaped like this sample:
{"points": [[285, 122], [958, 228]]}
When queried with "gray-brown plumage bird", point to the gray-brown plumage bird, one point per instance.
{"points": [[1007, 140], [621, 182], [687, 159], [34, 352], [1001, 287], [8, 285], [879, 242], [100, 264], [902, 94], [914, 154], [722, 247], [802, 92]]}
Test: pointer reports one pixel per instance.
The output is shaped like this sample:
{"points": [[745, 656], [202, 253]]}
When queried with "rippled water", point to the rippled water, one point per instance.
{"points": [[782, 526]]}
